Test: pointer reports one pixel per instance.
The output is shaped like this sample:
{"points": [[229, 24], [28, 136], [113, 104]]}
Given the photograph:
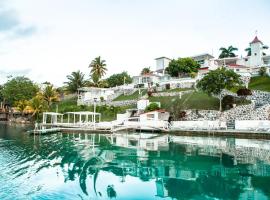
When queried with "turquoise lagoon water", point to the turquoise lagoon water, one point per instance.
{"points": [[131, 166]]}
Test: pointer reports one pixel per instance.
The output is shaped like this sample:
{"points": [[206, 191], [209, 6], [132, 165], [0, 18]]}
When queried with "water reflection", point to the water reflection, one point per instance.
{"points": [[132, 166]]}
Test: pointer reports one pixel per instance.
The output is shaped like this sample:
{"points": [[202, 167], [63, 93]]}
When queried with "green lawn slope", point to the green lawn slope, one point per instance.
{"points": [[260, 83]]}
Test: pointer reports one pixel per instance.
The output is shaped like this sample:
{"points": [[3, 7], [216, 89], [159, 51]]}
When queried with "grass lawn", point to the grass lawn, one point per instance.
{"points": [[177, 90], [260, 83], [133, 96], [195, 100]]}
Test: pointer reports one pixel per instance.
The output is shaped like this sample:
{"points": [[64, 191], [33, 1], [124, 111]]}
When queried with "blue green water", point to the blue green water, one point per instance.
{"points": [[131, 166]]}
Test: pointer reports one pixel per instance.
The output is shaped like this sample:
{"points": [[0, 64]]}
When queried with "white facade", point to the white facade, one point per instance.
{"points": [[94, 94], [161, 64], [155, 115], [146, 79]]}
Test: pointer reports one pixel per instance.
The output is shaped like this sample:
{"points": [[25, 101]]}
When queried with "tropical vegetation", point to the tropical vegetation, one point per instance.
{"points": [[75, 81], [119, 79], [18, 88], [182, 67], [217, 80], [145, 70], [98, 69], [227, 52]]}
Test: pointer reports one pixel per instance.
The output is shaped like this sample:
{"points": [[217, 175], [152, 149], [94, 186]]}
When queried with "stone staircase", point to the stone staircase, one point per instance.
{"points": [[231, 124]]}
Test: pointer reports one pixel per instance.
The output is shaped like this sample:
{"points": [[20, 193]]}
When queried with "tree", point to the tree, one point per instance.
{"points": [[75, 81], [119, 79], [227, 101], [37, 105], [22, 105], [145, 70], [98, 69], [217, 80], [227, 53], [19, 88], [244, 92], [182, 66], [50, 95]]}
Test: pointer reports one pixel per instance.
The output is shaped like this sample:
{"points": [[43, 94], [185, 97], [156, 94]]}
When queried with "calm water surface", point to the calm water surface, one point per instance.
{"points": [[131, 166]]}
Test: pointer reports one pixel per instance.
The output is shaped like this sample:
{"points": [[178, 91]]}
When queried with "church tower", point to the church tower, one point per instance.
{"points": [[256, 53]]}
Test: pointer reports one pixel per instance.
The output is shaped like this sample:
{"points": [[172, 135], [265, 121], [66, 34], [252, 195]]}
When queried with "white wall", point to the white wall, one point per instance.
{"points": [[252, 124], [256, 60], [198, 124]]}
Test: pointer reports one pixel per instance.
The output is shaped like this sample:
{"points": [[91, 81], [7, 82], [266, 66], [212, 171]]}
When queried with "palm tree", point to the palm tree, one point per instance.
{"points": [[98, 68], [37, 105], [22, 106], [145, 70], [75, 81], [248, 50], [227, 53], [50, 95]]}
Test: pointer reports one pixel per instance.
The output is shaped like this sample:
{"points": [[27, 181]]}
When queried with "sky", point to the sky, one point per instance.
{"points": [[46, 40]]}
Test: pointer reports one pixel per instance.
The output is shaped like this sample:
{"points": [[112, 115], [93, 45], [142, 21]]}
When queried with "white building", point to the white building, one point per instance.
{"points": [[205, 60], [157, 115], [161, 64], [146, 80], [90, 94], [249, 64]]}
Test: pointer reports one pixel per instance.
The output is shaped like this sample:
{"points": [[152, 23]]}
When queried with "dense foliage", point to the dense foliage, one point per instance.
{"points": [[19, 88], [227, 102], [145, 70], [244, 92], [119, 79], [182, 67], [152, 107]]}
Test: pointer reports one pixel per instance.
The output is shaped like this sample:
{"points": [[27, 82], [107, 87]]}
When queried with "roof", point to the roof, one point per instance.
{"points": [[203, 55], [203, 68], [163, 58], [256, 40], [83, 113]]}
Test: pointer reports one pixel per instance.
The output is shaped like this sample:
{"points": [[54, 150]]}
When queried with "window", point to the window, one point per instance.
{"points": [[150, 116], [237, 70]]}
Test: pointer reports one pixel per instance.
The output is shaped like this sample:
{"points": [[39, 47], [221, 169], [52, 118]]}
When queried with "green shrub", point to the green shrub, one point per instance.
{"points": [[262, 71], [152, 107]]}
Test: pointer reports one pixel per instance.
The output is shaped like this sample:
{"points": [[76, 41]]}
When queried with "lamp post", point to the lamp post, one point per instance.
{"points": [[95, 101]]}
